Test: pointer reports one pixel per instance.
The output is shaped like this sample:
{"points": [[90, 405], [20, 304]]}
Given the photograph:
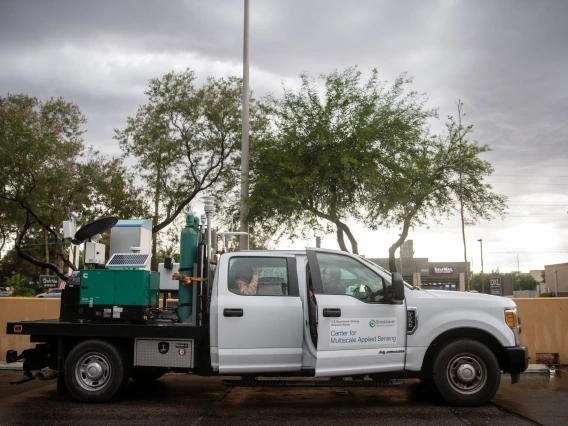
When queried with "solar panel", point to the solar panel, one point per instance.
{"points": [[128, 260]]}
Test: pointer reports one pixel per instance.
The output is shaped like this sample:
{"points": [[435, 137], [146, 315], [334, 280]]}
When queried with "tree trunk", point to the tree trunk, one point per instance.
{"points": [[46, 238], [460, 137], [340, 240]]}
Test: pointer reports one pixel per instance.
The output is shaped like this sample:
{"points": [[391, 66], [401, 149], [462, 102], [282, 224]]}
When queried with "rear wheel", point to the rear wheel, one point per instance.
{"points": [[466, 373], [95, 371]]}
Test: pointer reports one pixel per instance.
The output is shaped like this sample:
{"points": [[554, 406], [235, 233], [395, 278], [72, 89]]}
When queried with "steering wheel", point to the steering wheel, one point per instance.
{"points": [[366, 293]]}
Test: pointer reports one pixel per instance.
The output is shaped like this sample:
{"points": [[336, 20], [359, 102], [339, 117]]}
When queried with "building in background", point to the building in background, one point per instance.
{"points": [[425, 274], [556, 279]]}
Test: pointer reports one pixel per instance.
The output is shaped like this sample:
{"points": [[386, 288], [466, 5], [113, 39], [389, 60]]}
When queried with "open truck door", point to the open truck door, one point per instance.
{"points": [[361, 324]]}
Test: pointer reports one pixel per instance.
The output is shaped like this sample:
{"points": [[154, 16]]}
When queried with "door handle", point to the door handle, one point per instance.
{"points": [[331, 312], [232, 312]]}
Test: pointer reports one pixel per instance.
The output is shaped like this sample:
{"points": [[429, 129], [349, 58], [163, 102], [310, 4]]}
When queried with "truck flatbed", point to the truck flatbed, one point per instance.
{"points": [[40, 329]]}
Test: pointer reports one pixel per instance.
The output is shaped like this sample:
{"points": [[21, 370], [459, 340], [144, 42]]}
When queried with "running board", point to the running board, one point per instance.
{"points": [[313, 383]]}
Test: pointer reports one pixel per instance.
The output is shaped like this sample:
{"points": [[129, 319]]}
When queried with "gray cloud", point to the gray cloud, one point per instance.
{"points": [[506, 60]]}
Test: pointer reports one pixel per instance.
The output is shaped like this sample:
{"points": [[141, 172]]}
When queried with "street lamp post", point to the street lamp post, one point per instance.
{"points": [[244, 239], [555, 283], [482, 284]]}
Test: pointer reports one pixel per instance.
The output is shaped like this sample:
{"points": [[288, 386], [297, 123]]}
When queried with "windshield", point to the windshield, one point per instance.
{"points": [[380, 268]]}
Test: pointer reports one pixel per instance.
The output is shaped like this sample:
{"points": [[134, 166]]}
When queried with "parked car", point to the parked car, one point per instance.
{"points": [[54, 292], [4, 293]]}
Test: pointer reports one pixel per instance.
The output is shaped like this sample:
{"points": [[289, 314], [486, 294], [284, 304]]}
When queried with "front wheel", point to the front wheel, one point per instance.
{"points": [[95, 371], [466, 373]]}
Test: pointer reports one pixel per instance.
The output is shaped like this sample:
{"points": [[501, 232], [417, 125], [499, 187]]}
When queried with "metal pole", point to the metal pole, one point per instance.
{"points": [[244, 240], [209, 207], [555, 283], [482, 283]]}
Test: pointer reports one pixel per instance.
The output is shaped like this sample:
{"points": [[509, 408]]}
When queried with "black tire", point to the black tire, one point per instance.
{"points": [[95, 370], [147, 374], [466, 373]]}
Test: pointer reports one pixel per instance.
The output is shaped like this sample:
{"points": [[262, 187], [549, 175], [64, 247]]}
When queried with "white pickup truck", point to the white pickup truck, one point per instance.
{"points": [[363, 327]]}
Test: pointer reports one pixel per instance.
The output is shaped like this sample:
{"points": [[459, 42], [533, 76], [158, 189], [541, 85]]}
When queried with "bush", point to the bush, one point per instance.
{"points": [[547, 295]]}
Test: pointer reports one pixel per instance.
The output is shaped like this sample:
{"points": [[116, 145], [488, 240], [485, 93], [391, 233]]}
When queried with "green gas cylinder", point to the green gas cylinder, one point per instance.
{"points": [[189, 239]]}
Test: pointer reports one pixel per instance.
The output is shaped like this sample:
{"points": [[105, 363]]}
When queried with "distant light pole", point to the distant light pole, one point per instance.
{"points": [[482, 284], [555, 283]]}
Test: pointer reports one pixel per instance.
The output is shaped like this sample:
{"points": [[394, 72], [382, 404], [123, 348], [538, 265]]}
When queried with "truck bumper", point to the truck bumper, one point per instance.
{"points": [[517, 361]]}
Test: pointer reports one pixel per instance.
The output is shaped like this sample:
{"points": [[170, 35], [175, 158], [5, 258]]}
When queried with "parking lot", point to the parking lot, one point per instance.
{"points": [[189, 400]]}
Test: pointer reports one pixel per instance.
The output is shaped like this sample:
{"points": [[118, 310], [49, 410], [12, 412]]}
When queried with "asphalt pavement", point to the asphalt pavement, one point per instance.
{"points": [[190, 400]]}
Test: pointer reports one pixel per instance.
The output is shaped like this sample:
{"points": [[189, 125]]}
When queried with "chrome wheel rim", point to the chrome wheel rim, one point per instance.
{"points": [[93, 371], [466, 373]]}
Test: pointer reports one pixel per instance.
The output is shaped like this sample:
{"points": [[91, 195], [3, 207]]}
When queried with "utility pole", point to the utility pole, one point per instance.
{"points": [[482, 284], [555, 283], [244, 239]]}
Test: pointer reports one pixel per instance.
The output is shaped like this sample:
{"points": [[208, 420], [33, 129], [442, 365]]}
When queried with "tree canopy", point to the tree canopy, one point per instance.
{"points": [[46, 172], [329, 148], [186, 140], [428, 181]]}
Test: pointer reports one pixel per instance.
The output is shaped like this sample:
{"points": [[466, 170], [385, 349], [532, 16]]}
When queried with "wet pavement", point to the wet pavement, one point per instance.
{"points": [[189, 400]]}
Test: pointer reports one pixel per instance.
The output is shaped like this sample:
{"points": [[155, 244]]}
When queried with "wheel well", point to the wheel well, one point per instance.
{"points": [[458, 334], [124, 344]]}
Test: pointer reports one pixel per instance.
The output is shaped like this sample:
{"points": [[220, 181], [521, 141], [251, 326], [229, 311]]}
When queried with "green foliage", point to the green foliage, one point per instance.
{"points": [[19, 286], [476, 284], [327, 152], [524, 282], [547, 295], [185, 140], [520, 281], [430, 178], [46, 172]]}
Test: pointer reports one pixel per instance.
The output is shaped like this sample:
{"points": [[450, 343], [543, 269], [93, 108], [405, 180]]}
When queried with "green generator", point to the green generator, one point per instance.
{"points": [[124, 291]]}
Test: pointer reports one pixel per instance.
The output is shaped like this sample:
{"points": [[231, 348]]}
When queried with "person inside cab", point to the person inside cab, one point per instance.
{"points": [[246, 282], [331, 279]]}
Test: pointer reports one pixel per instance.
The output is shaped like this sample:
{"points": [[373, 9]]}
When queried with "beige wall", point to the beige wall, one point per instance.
{"points": [[544, 323], [23, 309]]}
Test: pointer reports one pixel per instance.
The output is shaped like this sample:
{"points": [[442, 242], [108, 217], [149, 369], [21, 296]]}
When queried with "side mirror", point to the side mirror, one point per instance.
{"points": [[397, 287]]}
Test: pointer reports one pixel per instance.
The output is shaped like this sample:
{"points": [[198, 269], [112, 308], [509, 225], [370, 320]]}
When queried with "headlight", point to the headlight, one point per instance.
{"points": [[510, 318], [513, 322]]}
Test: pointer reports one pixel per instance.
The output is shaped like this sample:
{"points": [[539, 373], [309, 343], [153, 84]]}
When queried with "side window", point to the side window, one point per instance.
{"points": [[344, 275], [258, 276]]}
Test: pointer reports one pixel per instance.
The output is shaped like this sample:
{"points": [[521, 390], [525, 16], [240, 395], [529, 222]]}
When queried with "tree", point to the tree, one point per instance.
{"points": [[186, 140], [327, 152], [433, 179], [524, 282], [46, 172], [19, 286]]}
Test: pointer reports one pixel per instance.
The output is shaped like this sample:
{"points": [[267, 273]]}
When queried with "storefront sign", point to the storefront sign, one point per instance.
{"points": [[443, 270], [49, 281], [495, 284]]}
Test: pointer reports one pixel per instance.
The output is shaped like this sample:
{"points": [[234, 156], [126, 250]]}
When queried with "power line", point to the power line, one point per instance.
{"points": [[529, 251], [536, 176], [530, 165], [530, 183]]}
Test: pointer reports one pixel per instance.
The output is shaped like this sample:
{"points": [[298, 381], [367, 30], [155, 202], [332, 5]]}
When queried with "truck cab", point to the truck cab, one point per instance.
{"points": [[367, 322]]}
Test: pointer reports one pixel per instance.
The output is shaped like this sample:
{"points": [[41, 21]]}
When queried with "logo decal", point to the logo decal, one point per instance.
{"points": [[163, 347], [372, 323]]}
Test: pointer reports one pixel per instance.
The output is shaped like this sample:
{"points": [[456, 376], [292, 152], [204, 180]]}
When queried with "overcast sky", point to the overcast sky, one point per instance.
{"points": [[506, 60]]}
